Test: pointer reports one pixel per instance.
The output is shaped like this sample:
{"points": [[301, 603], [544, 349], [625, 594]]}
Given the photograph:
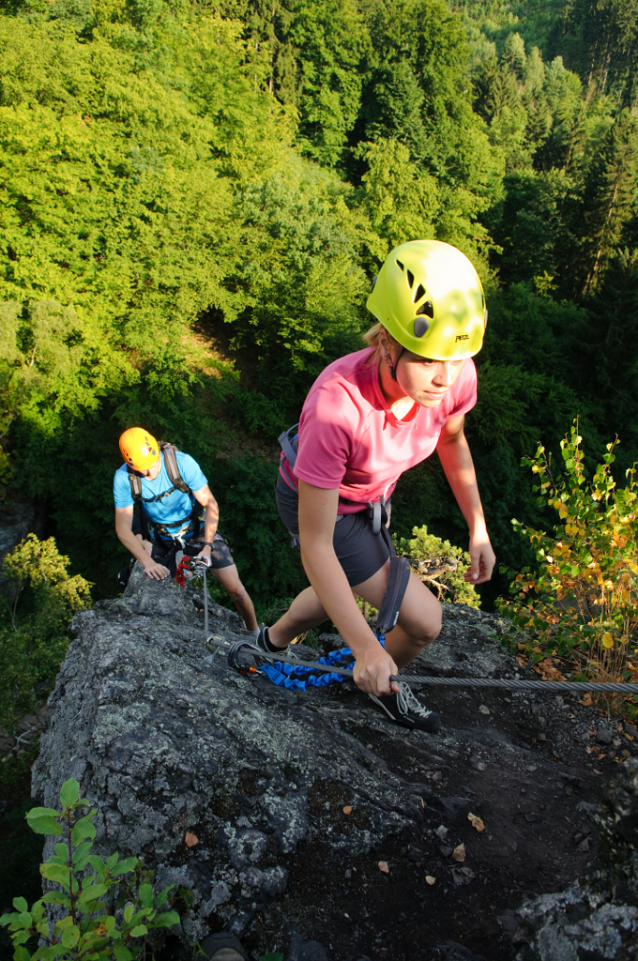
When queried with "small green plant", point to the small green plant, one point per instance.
{"points": [[102, 916], [582, 601], [440, 565]]}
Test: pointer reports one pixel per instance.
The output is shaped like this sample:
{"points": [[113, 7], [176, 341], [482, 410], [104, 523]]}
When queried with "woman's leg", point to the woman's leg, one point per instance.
{"points": [[305, 612], [419, 620]]}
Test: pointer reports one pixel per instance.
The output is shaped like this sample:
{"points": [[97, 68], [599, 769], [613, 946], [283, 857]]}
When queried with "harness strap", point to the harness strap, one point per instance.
{"points": [[172, 469], [398, 578], [185, 525]]}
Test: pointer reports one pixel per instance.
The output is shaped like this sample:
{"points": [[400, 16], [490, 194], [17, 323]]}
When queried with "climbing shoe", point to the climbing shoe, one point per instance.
{"points": [[263, 641], [404, 709]]}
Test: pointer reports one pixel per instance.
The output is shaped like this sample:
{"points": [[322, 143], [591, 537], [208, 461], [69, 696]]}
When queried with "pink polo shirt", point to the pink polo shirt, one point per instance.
{"points": [[350, 439]]}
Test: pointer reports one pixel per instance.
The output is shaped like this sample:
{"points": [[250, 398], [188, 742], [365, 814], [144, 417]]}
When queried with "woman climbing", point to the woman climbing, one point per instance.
{"points": [[367, 418]]}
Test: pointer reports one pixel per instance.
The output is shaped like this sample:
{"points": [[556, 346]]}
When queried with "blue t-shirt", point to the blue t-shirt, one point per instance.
{"points": [[170, 510]]}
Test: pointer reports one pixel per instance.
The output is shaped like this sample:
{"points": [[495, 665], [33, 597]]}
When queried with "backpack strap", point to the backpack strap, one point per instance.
{"points": [[289, 444], [135, 481], [172, 468]]}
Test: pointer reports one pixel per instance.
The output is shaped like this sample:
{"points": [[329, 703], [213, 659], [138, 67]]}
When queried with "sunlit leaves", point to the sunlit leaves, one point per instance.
{"points": [[583, 600]]}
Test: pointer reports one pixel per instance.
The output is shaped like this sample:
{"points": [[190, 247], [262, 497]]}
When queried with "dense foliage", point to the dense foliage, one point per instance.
{"points": [[194, 199]]}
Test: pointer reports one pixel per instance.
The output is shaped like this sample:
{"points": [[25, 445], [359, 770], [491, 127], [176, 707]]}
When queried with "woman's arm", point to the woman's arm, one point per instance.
{"points": [[317, 517], [454, 453]]}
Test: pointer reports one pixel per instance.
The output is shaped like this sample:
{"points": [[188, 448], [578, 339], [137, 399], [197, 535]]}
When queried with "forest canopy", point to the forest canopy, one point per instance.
{"points": [[196, 197]]}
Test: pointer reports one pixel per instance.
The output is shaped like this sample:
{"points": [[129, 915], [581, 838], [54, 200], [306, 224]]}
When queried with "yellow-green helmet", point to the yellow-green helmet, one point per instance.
{"points": [[429, 297]]}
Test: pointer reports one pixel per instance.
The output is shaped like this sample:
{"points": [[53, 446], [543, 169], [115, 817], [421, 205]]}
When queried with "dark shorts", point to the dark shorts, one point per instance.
{"points": [[220, 556], [360, 552]]}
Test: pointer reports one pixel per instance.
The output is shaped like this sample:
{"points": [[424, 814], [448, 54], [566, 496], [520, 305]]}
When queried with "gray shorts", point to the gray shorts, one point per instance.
{"points": [[360, 552]]}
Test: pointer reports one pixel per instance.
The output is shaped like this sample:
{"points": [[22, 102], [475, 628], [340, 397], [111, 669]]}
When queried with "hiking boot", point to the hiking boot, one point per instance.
{"points": [[404, 709]]}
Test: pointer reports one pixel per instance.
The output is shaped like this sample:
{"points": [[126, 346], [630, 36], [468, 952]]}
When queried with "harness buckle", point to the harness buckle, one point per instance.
{"points": [[378, 514]]}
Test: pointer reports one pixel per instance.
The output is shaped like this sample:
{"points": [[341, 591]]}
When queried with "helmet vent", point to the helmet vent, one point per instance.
{"points": [[420, 292], [420, 326], [427, 308], [399, 264], [410, 279]]}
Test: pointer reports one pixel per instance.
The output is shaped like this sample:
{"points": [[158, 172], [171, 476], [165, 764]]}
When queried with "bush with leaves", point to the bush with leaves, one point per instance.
{"points": [[103, 916], [439, 565], [34, 621], [582, 601]]}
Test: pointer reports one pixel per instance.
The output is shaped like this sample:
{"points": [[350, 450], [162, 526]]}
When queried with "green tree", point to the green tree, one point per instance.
{"points": [[600, 40], [611, 195], [34, 618]]}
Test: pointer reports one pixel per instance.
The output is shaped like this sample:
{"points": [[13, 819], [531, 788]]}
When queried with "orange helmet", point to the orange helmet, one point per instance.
{"points": [[139, 448]]}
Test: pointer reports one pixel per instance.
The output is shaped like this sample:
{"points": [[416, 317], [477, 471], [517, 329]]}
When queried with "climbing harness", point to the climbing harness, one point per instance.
{"points": [[217, 644]]}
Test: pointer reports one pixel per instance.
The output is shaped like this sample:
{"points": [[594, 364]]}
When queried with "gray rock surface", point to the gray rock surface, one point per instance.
{"points": [[165, 739], [596, 918]]}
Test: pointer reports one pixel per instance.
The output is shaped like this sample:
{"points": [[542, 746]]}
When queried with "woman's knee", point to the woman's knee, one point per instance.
{"points": [[421, 614], [432, 627]]}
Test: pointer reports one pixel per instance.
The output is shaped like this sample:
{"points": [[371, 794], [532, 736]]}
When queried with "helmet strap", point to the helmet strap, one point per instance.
{"points": [[392, 364]]}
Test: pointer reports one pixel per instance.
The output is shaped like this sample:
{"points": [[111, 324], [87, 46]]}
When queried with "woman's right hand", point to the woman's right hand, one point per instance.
{"points": [[372, 672]]}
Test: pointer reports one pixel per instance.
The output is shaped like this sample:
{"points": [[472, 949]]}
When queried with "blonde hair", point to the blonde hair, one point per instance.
{"points": [[373, 339]]}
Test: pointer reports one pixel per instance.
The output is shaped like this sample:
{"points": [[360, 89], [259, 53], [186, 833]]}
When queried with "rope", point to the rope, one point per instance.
{"points": [[504, 683]]}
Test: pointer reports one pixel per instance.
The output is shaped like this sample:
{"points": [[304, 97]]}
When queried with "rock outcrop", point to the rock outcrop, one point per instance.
{"points": [[316, 827]]}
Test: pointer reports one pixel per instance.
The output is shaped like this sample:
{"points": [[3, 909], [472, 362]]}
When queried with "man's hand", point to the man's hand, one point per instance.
{"points": [[483, 560], [204, 555], [154, 570], [372, 672]]}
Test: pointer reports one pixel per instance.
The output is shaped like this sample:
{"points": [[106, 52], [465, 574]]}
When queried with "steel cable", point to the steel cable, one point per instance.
{"points": [[582, 687]]}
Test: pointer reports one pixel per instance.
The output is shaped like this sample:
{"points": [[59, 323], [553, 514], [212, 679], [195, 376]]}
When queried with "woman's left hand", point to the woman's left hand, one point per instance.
{"points": [[483, 560]]}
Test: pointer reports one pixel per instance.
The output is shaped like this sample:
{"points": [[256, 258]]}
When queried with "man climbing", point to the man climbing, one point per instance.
{"points": [[171, 491]]}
